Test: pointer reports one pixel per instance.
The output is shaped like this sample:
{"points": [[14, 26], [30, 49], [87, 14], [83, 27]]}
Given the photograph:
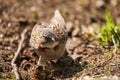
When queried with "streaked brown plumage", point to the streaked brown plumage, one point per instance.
{"points": [[49, 41]]}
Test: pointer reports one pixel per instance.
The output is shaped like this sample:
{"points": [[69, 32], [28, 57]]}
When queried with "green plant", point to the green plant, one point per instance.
{"points": [[110, 33]]}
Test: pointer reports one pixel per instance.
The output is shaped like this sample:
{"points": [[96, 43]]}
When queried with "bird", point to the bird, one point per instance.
{"points": [[49, 40]]}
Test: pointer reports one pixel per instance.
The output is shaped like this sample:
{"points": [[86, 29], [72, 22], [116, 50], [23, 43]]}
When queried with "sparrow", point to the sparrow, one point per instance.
{"points": [[49, 40]]}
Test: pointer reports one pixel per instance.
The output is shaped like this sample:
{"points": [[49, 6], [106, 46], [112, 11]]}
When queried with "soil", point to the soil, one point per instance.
{"points": [[83, 57]]}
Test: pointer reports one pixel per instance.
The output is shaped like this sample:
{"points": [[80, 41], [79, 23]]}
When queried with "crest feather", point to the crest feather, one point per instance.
{"points": [[58, 19]]}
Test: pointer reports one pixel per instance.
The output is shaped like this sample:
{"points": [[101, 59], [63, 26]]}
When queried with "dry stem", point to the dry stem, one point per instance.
{"points": [[17, 53]]}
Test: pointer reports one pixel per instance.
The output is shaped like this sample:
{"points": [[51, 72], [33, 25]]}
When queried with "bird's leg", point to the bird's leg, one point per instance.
{"points": [[41, 62]]}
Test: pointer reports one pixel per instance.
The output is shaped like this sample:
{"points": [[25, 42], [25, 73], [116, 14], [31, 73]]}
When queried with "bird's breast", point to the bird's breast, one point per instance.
{"points": [[52, 53]]}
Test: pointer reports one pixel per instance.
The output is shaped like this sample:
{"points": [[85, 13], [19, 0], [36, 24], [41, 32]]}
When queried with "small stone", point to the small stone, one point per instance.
{"points": [[76, 31], [69, 26], [1, 35], [33, 8], [71, 44], [0, 20], [114, 2], [100, 3], [9, 24]]}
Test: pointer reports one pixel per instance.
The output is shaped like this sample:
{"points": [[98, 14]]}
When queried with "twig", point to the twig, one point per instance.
{"points": [[13, 62]]}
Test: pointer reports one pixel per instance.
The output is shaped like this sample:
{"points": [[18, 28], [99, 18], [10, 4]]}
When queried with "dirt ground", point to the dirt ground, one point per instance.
{"points": [[83, 56]]}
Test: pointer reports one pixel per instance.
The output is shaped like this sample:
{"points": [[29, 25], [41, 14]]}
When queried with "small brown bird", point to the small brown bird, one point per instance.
{"points": [[49, 40]]}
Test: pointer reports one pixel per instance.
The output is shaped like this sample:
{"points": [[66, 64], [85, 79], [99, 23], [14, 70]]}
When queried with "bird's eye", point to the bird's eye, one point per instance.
{"points": [[44, 36], [65, 27]]}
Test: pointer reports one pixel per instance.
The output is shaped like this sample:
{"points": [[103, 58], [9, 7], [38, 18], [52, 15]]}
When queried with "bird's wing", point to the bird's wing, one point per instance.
{"points": [[34, 40]]}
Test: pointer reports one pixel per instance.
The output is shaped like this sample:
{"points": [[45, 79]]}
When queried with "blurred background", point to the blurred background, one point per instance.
{"points": [[82, 17]]}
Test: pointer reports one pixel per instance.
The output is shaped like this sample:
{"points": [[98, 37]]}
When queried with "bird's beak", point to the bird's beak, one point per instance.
{"points": [[53, 39]]}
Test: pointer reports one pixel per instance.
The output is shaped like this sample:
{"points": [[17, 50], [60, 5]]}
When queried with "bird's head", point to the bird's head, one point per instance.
{"points": [[48, 38]]}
